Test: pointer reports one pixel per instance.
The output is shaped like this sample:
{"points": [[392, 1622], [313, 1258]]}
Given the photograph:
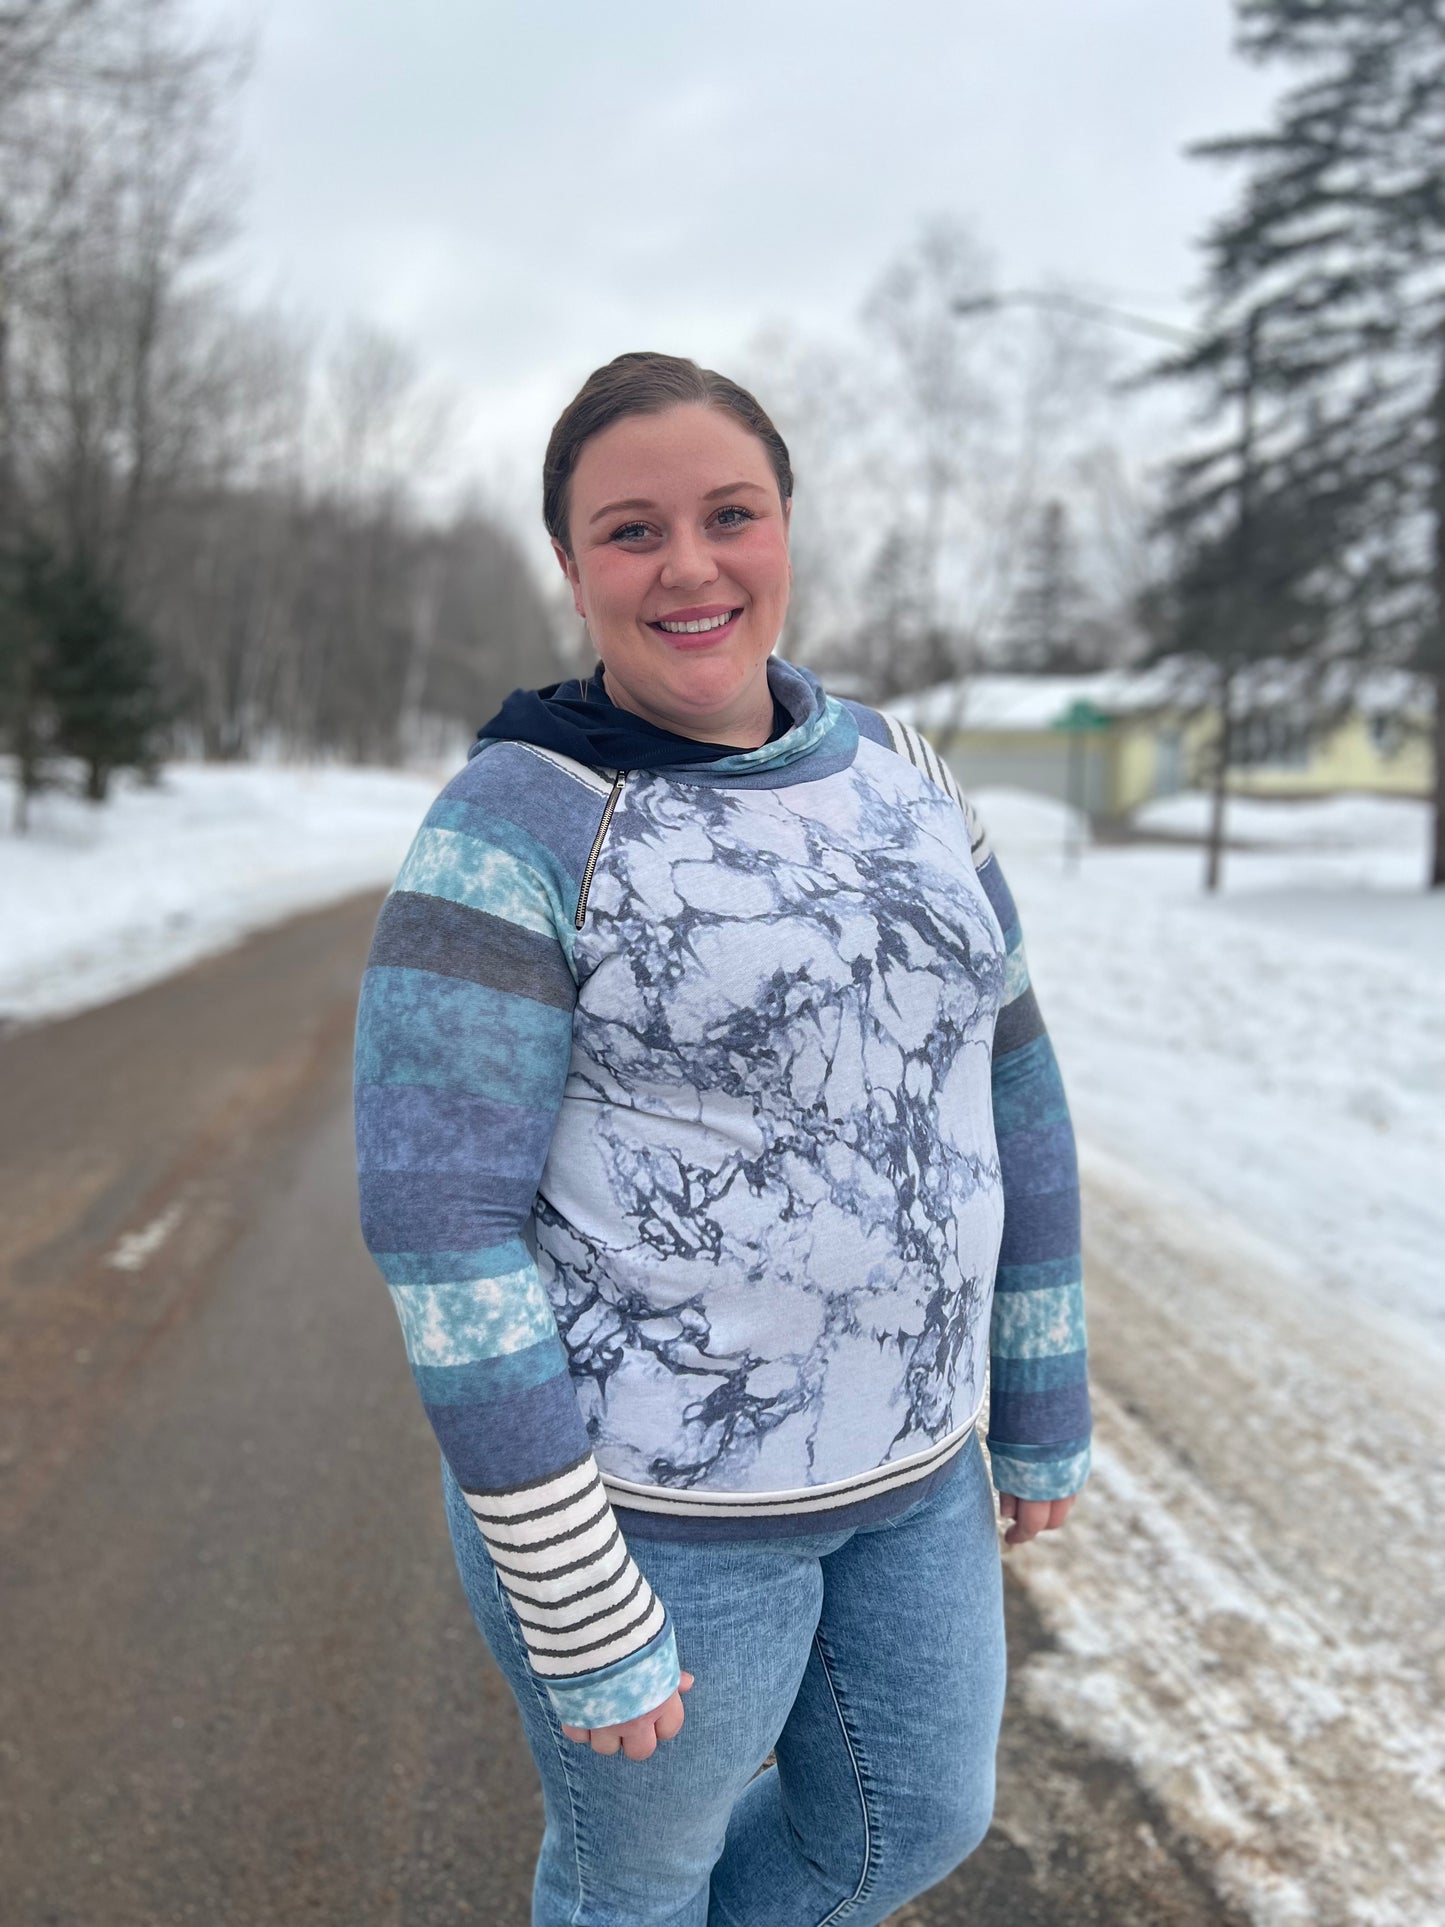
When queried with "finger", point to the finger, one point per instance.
{"points": [[606, 1740], [642, 1744], [1058, 1513], [577, 1732], [1029, 1520], [1008, 1505], [685, 1684], [668, 1723]]}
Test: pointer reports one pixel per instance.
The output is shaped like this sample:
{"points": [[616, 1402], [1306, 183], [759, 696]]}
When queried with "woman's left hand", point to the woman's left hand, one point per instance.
{"points": [[1032, 1516]]}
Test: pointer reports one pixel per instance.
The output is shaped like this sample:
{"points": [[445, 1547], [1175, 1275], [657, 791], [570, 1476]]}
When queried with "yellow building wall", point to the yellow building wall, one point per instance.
{"points": [[1137, 751], [1130, 762], [1346, 759]]}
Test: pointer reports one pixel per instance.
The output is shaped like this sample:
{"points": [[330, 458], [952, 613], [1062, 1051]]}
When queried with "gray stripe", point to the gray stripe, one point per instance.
{"points": [[538, 1512], [540, 1626], [548, 1653], [418, 932], [1019, 1023], [930, 761], [552, 1572]]}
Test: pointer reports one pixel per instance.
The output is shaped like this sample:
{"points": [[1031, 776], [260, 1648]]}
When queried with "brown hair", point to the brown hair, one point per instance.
{"points": [[645, 383]]}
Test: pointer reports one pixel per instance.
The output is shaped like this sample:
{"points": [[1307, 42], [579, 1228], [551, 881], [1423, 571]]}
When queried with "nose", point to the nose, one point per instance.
{"points": [[688, 563]]}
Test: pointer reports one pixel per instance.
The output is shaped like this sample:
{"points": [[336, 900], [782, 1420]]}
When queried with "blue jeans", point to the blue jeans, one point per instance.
{"points": [[872, 1660]]}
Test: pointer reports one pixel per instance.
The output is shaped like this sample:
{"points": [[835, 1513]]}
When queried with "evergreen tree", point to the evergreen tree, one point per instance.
{"points": [[98, 671], [26, 717], [1048, 627], [1324, 351], [903, 648]]}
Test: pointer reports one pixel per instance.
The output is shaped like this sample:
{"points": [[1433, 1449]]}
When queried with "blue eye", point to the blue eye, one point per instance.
{"points": [[734, 509], [629, 532]]}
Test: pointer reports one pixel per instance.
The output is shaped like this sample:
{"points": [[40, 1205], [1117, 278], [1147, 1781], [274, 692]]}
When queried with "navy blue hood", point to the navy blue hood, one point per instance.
{"points": [[579, 719]]}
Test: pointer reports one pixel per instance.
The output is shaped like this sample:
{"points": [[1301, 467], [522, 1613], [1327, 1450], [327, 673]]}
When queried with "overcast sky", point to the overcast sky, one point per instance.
{"points": [[524, 190]]}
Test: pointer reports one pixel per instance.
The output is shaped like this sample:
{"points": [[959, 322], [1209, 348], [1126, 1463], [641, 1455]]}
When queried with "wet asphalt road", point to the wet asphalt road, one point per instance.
{"points": [[238, 1682]]}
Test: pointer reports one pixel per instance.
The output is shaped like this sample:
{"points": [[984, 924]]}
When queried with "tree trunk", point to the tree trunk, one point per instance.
{"points": [[1214, 860], [1434, 651], [1437, 864], [1244, 616]]}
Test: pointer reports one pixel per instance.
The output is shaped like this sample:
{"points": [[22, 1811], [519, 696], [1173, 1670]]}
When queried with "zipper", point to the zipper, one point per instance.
{"points": [[614, 797]]}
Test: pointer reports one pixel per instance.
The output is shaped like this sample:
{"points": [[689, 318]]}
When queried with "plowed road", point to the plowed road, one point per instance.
{"points": [[238, 1682]]}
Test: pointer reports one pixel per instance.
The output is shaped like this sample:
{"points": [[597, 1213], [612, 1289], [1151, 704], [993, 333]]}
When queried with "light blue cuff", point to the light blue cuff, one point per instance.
{"points": [[1039, 1478], [638, 1686]]}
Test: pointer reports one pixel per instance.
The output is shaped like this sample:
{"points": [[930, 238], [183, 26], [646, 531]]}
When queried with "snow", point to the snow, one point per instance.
{"points": [[1278, 1051], [1029, 702], [1003, 702], [101, 901], [1245, 1605]]}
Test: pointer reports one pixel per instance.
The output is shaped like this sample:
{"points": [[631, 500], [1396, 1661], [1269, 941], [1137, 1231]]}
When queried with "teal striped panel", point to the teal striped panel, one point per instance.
{"points": [[451, 1267], [1030, 1478], [463, 869], [454, 1324], [1044, 1274], [465, 818], [485, 1379], [1022, 1374], [444, 1034], [625, 1691], [1028, 1091], [1015, 973], [1037, 1324]]}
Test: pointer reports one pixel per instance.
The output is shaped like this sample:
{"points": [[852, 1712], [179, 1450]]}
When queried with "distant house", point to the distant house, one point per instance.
{"points": [[1114, 740]]}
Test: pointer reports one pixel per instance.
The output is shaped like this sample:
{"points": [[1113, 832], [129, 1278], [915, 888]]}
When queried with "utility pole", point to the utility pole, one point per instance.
{"points": [[1239, 610], [1434, 651], [14, 655]]}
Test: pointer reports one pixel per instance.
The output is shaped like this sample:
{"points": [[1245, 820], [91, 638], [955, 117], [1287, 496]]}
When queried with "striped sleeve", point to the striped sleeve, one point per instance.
{"points": [[1039, 1421], [464, 1036]]}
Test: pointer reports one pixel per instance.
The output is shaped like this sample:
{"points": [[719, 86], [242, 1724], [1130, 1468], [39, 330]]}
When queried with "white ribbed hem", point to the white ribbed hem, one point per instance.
{"points": [[806, 1500]]}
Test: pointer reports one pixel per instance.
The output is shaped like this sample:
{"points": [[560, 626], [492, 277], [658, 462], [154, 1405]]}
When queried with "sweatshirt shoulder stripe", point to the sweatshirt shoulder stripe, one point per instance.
{"points": [[416, 1028], [465, 869], [455, 939]]}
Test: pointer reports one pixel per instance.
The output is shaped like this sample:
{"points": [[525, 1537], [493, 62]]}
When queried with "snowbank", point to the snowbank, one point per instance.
{"points": [[1277, 1051], [98, 902], [1245, 1605]]}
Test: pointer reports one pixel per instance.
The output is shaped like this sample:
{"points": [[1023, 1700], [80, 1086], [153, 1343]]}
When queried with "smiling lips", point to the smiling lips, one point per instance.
{"points": [[696, 622]]}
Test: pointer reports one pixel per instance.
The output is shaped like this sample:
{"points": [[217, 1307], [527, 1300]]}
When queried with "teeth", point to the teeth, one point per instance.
{"points": [[695, 628]]}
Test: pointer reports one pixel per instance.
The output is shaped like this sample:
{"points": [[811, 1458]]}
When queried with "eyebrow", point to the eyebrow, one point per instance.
{"points": [[640, 502]]}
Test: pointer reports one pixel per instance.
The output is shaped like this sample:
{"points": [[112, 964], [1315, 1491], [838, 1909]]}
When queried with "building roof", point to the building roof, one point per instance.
{"points": [[1042, 702]]}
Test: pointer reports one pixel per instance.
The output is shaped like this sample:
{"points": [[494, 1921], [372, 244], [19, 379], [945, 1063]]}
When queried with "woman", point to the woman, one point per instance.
{"points": [[711, 1145]]}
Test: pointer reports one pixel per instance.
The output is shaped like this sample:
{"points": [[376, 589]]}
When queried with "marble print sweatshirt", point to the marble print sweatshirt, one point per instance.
{"points": [[716, 1157]]}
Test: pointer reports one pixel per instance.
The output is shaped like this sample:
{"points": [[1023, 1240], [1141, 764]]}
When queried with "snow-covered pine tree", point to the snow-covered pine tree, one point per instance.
{"points": [[1326, 337]]}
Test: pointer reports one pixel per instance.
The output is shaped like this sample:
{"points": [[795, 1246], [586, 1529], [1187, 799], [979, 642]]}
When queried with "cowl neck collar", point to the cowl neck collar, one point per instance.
{"points": [[577, 719]]}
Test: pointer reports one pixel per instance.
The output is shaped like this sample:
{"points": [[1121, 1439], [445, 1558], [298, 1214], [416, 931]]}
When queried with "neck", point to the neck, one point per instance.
{"points": [[746, 724]]}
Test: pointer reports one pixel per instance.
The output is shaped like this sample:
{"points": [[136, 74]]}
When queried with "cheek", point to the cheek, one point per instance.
{"points": [[612, 578], [762, 560]]}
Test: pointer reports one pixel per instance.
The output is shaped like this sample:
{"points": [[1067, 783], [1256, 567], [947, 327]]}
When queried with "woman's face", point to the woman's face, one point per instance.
{"points": [[680, 566]]}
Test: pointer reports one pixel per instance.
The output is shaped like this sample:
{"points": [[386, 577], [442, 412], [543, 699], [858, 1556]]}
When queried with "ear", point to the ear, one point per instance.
{"points": [[569, 569]]}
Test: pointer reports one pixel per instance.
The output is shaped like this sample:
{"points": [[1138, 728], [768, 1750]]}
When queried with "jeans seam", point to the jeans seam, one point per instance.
{"points": [[560, 1741], [845, 1906]]}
